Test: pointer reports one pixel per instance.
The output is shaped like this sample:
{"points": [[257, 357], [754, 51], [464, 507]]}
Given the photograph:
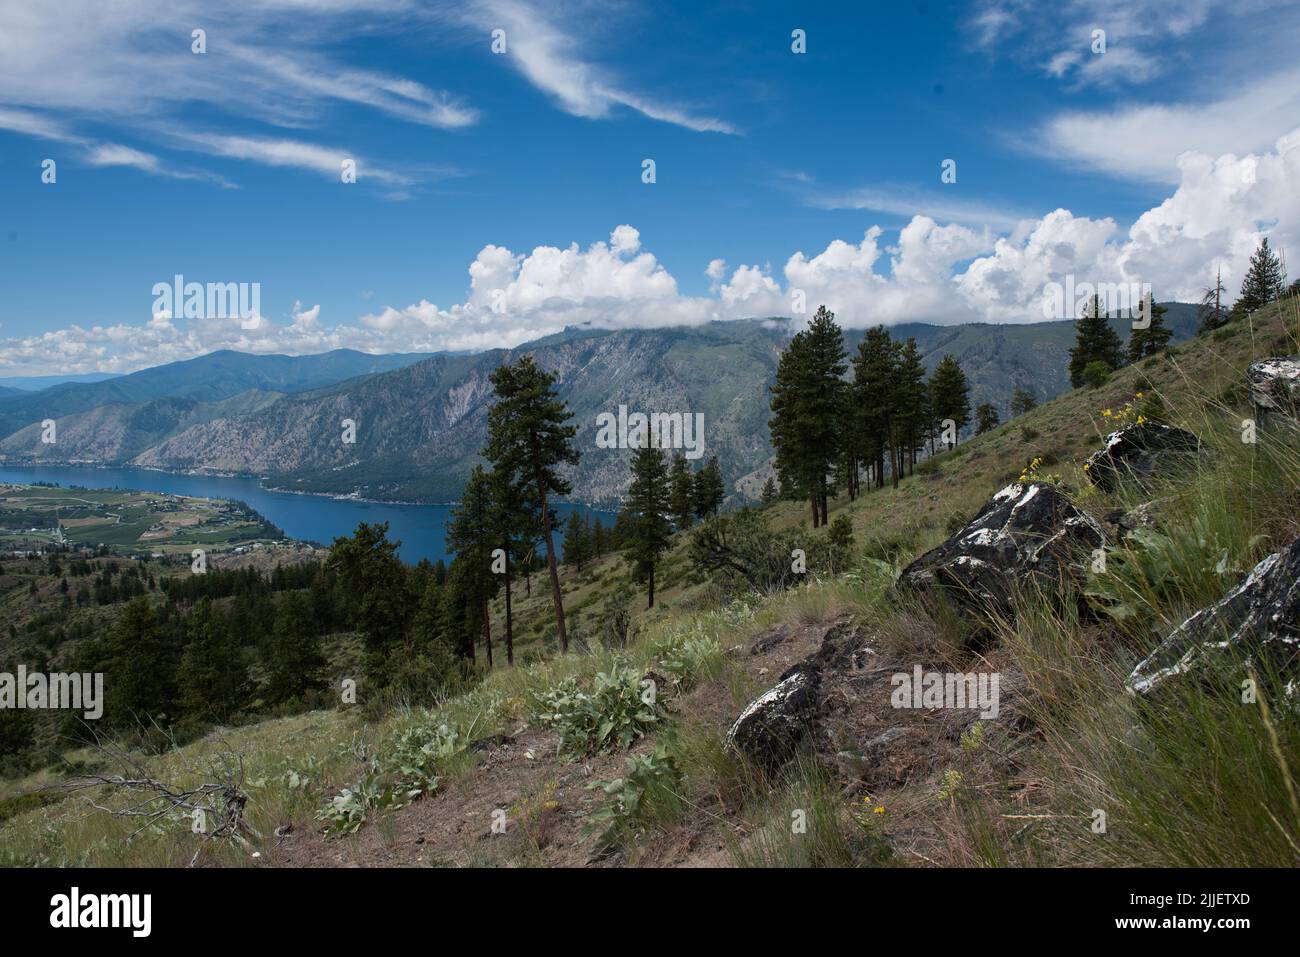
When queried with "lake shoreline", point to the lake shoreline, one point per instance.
{"points": [[309, 517], [261, 481]]}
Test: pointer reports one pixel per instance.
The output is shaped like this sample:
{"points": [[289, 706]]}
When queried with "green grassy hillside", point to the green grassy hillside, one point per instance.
{"points": [[1191, 779]]}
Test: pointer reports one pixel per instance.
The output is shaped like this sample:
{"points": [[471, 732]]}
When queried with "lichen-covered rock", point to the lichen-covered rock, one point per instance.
{"points": [[1260, 618], [1026, 531], [770, 729], [1275, 384], [1141, 452]]}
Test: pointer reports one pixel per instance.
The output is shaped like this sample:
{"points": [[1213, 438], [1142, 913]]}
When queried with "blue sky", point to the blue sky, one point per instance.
{"points": [[775, 171]]}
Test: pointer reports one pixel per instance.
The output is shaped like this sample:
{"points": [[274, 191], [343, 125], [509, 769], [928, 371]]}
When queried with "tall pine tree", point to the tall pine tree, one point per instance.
{"points": [[529, 438], [874, 377], [912, 405], [577, 544], [708, 489], [950, 395], [649, 500], [471, 535], [683, 491], [807, 400]]}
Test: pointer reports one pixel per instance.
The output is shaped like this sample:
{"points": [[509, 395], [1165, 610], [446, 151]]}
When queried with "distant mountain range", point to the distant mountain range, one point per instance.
{"points": [[210, 378], [420, 420], [35, 383]]}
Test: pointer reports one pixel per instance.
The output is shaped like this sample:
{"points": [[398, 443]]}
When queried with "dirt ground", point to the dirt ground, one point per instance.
{"points": [[897, 757]]}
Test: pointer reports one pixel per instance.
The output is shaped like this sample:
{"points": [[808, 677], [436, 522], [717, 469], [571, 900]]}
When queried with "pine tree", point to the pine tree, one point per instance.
{"points": [[213, 676], [912, 421], [428, 627], [874, 376], [1264, 280], [649, 499], [461, 621], [854, 454], [683, 491], [1154, 338], [986, 418], [807, 400], [1022, 401], [528, 437], [295, 664], [769, 493], [372, 581], [513, 528], [1096, 343], [1210, 311], [142, 660], [576, 544], [708, 490], [950, 395], [472, 537]]}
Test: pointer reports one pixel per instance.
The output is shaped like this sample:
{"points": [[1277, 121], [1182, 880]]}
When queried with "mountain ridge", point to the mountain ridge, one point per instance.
{"points": [[419, 426]]}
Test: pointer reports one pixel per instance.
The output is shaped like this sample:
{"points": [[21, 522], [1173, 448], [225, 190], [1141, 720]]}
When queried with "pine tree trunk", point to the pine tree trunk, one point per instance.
{"points": [[812, 501], [487, 631], [557, 597], [510, 635], [652, 587]]}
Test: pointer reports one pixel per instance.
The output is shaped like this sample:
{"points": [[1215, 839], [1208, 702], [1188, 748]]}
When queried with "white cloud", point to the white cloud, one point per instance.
{"points": [[932, 272], [286, 152], [1058, 37], [114, 154], [1144, 141], [901, 200], [130, 64], [547, 55], [133, 58]]}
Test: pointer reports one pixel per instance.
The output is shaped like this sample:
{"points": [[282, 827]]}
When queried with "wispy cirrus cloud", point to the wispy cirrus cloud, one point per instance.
{"points": [[1058, 37], [546, 54], [908, 201], [95, 153], [130, 66], [284, 152]]}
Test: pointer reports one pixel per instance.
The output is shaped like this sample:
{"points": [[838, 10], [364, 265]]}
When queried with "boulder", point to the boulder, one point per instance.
{"points": [[1141, 452], [1026, 531], [1275, 385], [1259, 619], [770, 729]]}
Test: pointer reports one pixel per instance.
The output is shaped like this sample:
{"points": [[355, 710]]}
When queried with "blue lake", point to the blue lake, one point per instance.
{"points": [[314, 518]]}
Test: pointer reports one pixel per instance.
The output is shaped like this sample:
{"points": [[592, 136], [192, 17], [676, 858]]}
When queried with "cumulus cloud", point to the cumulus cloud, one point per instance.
{"points": [[514, 298], [929, 271]]}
